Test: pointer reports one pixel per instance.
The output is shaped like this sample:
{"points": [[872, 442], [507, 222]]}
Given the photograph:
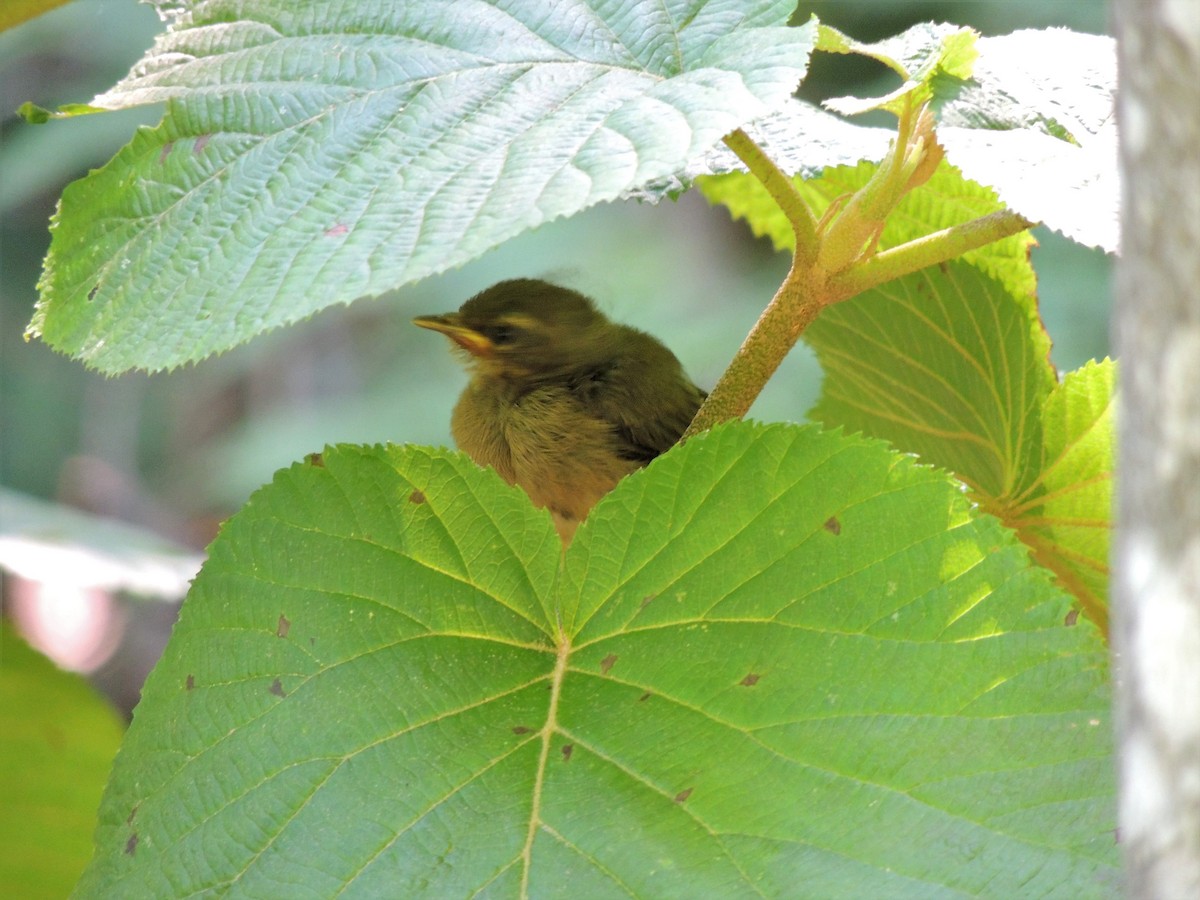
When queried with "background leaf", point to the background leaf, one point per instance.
{"points": [[50, 542], [770, 659], [14, 12], [58, 742], [311, 154]]}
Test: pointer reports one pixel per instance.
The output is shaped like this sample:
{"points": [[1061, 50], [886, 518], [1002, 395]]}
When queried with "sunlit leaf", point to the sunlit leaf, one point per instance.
{"points": [[769, 660], [1069, 523], [1036, 122]]}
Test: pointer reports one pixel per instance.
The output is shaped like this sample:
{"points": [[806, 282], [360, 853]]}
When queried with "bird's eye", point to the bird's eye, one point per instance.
{"points": [[500, 334]]}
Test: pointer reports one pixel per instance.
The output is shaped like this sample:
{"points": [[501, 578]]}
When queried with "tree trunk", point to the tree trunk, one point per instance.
{"points": [[1156, 591]]}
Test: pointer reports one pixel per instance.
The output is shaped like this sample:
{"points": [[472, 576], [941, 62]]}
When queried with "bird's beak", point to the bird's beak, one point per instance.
{"points": [[470, 340]]}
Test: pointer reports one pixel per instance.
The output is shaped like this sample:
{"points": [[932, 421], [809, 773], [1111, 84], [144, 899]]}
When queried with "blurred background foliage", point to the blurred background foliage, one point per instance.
{"points": [[178, 452]]}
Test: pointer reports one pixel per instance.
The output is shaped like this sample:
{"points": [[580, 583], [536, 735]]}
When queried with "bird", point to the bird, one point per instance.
{"points": [[561, 401]]}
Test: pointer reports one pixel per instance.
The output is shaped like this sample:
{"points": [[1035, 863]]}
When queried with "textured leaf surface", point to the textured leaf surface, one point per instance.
{"points": [[58, 742], [1028, 114], [768, 661], [1070, 524], [312, 153]]}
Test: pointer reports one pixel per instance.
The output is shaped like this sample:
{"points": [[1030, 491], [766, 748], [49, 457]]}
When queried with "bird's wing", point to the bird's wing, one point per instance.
{"points": [[648, 412]]}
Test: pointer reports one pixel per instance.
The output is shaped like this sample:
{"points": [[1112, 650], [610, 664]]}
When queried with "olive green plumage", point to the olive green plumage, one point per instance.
{"points": [[562, 401]]}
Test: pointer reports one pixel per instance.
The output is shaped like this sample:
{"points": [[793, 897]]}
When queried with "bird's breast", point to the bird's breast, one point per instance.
{"points": [[543, 440]]}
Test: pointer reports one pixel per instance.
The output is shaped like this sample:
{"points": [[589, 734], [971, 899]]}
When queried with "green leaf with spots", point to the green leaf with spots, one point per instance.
{"points": [[767, 661], [313, 153]]}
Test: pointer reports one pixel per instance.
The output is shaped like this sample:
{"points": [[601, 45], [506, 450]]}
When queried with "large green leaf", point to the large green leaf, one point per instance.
{"points": [[57, 740], [779, 661], [316, 152]]}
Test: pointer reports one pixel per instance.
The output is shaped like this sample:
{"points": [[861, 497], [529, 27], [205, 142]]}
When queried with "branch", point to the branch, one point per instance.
{"points": [[929, 250], [791, 310], [782, 191]]}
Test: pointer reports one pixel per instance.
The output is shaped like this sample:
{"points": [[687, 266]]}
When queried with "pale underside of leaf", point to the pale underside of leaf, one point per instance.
{"points": [[311, 155]]}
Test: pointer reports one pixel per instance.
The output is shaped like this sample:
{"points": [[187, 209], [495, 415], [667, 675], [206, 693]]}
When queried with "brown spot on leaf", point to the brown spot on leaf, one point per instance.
{"points": [[645, 696], [683, 795], [416, 497], [277, 688], [131, 844], [1072, 618], [646, 600], [750, 679], [190, 682], [607, 663], [833, 526], [315, 459], [201, 143], [165, 151], [521, 729], [281, 630], [336, 230], [567, 750], [945, 269], [92, 292], [132, 813]]}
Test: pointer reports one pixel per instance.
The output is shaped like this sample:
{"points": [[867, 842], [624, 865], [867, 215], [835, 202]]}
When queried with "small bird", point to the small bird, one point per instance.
{"points": [[562, 402]]}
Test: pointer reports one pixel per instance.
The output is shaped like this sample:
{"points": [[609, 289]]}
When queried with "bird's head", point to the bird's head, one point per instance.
{"points": [[526, 328]]}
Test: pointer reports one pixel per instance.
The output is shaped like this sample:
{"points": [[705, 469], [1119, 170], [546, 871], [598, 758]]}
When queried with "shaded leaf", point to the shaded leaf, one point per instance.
{"points": [[800, 138], [59, 741], [944, 363], [311, 154], [713, 694]]}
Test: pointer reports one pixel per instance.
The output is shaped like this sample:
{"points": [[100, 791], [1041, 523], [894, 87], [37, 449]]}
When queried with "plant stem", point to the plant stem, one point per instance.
{"points": [[782, 191], [925, 251], [791, 310]]}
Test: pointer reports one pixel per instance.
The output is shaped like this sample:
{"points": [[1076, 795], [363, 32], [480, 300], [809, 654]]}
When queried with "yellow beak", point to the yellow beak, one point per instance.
{"points": [[470, 340]]}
